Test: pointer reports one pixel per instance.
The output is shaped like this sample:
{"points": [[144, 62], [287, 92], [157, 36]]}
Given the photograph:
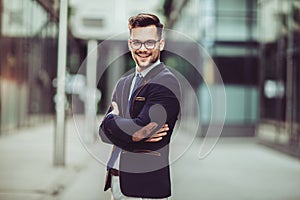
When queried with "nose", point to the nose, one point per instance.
{"points": [[143, 48]]}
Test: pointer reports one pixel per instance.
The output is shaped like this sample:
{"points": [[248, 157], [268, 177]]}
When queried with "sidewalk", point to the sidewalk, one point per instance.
{"points": [[27, 171], [237, 169]]}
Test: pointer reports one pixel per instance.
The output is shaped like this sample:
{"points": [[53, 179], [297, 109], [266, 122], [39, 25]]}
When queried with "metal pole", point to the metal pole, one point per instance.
{"points": [[1, 8], [289, 78], [90, 97], [59, 140], [114, 71]]}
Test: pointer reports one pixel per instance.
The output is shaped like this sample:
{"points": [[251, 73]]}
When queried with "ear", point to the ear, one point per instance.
{"points": [[161, 44]]}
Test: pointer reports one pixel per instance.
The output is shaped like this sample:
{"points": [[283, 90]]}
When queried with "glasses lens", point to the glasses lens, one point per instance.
{"points": [[150, 44], [136, 44]]}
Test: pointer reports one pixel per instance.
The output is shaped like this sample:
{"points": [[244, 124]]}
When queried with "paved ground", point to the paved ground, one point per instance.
{"points": [[237, 169]]}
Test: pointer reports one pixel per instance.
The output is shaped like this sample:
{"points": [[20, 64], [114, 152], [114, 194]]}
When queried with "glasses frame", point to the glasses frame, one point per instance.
{"points": [[143, 43]]}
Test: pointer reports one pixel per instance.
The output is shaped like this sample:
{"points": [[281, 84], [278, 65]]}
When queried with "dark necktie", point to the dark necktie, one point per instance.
{"points": [[138, 79], [116, 150]]}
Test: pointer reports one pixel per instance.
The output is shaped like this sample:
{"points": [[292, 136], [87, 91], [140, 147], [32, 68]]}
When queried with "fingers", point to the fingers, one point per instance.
{"points": [[163, 129], [115, 108], [114, 105], [154, 139], [144, 132], [158, 136]]}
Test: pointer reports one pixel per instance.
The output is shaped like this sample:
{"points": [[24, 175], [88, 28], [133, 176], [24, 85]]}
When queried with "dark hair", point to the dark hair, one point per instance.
{"points": [[143, 20]]}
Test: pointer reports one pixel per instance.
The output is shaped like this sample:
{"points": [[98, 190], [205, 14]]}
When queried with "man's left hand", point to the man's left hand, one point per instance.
{"points": [[115, 108]]}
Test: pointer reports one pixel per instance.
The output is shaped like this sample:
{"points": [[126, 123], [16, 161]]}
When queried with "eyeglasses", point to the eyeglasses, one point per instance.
{"points": [[149, 44]]}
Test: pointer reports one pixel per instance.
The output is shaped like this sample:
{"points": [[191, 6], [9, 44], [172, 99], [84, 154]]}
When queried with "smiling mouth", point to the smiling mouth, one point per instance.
{"points": [[143, 55]]}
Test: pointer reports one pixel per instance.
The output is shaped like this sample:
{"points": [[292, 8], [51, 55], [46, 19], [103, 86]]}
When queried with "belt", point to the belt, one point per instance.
{"points": [[114, 172]]}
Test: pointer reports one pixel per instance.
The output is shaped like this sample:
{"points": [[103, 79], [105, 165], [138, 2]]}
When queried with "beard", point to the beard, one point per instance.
{"points": [[145, 59]]}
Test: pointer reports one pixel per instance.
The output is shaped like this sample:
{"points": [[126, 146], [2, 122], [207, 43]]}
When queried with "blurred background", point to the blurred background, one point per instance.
{"points": [[255, 45]]}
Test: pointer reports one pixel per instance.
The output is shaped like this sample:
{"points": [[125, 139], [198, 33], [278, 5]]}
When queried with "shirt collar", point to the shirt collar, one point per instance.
{"points": [[148, 69]]}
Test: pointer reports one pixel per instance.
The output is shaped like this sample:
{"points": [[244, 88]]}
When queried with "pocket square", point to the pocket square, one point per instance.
{"points": [[140, 98]]}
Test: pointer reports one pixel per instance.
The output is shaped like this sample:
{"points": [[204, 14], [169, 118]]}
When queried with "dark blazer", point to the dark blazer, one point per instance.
{"points": [[144, 166]]}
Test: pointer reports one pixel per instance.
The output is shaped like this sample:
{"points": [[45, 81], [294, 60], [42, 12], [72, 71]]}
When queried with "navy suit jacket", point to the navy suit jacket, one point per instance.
{"points": [[144, 166]]}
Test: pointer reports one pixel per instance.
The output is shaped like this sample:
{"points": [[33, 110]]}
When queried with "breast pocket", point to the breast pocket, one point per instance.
{"points": [[140, 99], [138, 104]]}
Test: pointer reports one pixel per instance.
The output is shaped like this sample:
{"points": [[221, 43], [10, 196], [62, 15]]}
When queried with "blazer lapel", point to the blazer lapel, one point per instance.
{"points": [[149, 76], [125, 94], [153, 73], [145, 81]]}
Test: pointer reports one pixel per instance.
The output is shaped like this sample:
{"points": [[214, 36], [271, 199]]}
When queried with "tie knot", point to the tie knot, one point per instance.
{"points": [[139, 75], [138, 78]]}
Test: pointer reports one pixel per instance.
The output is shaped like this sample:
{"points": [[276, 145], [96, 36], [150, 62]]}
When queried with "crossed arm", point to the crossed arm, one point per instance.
{"points": [[146, 130], [161, 107]]}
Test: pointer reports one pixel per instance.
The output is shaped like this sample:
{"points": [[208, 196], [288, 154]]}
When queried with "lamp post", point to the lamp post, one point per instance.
{"points": [[59, 140]]}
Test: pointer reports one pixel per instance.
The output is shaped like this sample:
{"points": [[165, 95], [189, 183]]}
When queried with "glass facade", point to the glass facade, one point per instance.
{"points": [[280, 68], [28, 60]]}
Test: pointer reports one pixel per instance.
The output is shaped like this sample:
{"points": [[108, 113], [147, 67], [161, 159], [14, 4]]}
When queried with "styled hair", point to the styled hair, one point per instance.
{"points": [[143, 20]]}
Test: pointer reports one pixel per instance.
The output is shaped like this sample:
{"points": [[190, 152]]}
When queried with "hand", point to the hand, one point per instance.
{"points": [[144, 132], [158, 136], [115, 108]]}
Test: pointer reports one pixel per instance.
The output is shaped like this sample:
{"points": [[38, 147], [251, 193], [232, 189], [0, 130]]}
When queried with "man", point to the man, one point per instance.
{"points": [[140, 121]]}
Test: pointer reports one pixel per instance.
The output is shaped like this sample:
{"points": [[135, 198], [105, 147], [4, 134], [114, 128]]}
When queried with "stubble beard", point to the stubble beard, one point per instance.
{"points": [[143, 65]]}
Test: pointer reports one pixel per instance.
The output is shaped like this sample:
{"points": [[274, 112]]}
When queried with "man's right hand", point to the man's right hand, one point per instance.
{"points": [[146, 130], [158, 136]]}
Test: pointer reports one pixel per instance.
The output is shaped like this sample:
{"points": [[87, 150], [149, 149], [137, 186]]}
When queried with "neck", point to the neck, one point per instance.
{"points": [[140, 69]]}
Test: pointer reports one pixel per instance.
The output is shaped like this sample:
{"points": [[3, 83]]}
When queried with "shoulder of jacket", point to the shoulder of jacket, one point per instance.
{"points": [[124, 78], [167, 73]]}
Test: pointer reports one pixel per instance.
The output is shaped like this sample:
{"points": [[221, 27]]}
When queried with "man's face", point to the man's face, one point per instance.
{"points": [[144, 57]]}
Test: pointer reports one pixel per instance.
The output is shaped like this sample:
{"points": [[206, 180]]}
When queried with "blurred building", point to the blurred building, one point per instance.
{"points": [[279, 74], [254, 44], [228, 30], [28, 60]]}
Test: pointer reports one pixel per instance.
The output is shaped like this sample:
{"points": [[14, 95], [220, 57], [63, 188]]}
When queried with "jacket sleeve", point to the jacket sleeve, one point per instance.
{"points": [[102, 131]]}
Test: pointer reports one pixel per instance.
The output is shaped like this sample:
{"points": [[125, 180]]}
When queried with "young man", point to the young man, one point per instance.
{"points": [[140, 121]]}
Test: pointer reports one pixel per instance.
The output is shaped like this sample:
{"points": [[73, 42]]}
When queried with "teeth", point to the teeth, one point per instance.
{"points": [[143, 56]]}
